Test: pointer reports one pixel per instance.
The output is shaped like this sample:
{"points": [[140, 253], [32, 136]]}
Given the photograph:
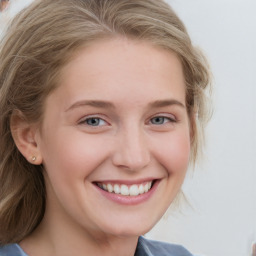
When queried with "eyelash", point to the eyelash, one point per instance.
{"points": [[88, 119], [164, 119]]}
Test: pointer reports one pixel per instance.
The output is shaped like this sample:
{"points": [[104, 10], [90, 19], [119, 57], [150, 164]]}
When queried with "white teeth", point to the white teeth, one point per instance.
{"points": [[141, 189], [124, 190], [133, 190], [116, 189], [146, 187], [109, 188]]}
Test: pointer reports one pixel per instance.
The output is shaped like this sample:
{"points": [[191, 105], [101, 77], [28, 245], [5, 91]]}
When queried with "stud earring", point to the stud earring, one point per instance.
{"points": [[33, 158]]}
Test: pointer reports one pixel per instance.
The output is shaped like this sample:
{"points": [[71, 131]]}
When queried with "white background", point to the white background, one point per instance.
{"points": [[222, 218]]}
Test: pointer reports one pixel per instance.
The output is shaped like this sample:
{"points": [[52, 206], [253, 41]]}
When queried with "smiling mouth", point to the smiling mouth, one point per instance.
{"points": [[126, 190]]}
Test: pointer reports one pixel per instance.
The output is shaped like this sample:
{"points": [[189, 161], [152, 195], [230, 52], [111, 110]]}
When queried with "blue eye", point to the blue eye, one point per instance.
{"points": [[158, 120], [94, 121]]}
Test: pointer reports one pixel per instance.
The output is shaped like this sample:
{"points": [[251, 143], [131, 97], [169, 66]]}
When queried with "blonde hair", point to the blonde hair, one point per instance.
{"points": [[39, 42]]}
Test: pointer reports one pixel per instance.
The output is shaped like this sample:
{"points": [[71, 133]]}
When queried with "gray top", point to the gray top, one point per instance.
{"points": [[144, 248], [12, 250], [147, 247]]}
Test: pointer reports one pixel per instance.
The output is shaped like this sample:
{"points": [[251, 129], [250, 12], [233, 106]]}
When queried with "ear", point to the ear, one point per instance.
{"points": [[25, 137]]}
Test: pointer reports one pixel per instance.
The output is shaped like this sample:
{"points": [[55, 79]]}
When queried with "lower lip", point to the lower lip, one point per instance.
{"points": [[129, 200]]}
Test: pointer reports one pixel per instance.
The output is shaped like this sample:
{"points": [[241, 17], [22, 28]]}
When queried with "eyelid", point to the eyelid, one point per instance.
{"points": [[164, 118], [83, 120], [169, 116]]}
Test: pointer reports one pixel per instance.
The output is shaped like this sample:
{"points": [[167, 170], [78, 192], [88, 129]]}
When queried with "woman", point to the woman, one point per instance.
{"points": [[102, 104]]}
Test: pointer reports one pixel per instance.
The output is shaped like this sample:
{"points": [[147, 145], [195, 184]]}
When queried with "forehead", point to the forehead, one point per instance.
{"points": [[123, 66]]}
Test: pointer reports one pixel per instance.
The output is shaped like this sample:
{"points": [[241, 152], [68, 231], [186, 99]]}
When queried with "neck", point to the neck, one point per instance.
{"points": [[56, 236], [109, 247]]}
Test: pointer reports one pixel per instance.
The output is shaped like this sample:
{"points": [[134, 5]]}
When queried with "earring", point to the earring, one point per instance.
{"points": [[33, 158]]}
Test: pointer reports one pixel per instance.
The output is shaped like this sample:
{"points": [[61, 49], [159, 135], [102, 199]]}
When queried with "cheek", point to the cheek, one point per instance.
{"points": [[180, 149], [174, 153], [72, 156]]}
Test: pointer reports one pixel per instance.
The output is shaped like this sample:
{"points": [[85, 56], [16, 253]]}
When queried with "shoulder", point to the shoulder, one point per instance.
{"points": [[147, 247], [11, 250]]}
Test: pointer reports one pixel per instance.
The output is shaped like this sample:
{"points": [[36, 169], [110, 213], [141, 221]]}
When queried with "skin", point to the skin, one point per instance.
{"points": [[3, 4], [142, 133]]}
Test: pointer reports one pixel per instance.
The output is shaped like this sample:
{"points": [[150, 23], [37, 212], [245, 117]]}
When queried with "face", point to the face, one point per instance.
{"points": [[115, 138]]}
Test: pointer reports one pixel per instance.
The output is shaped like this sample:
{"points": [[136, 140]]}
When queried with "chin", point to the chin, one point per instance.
{"points": [[126, 228]]}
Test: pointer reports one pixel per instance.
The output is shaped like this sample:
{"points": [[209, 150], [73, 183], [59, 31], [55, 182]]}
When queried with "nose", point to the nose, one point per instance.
{"points": [[131, 150]]}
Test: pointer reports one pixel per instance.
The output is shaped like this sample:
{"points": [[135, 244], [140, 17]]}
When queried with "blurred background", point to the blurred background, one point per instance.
{"points": [[221, 218]]}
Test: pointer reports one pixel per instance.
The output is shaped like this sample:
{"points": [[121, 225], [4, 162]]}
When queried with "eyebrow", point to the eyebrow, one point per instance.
{"points": [[106, 104], [92, 103], [165, 103]]}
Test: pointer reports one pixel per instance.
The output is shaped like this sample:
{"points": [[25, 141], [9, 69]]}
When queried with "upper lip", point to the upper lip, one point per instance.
{"points": [[126, 182]]}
